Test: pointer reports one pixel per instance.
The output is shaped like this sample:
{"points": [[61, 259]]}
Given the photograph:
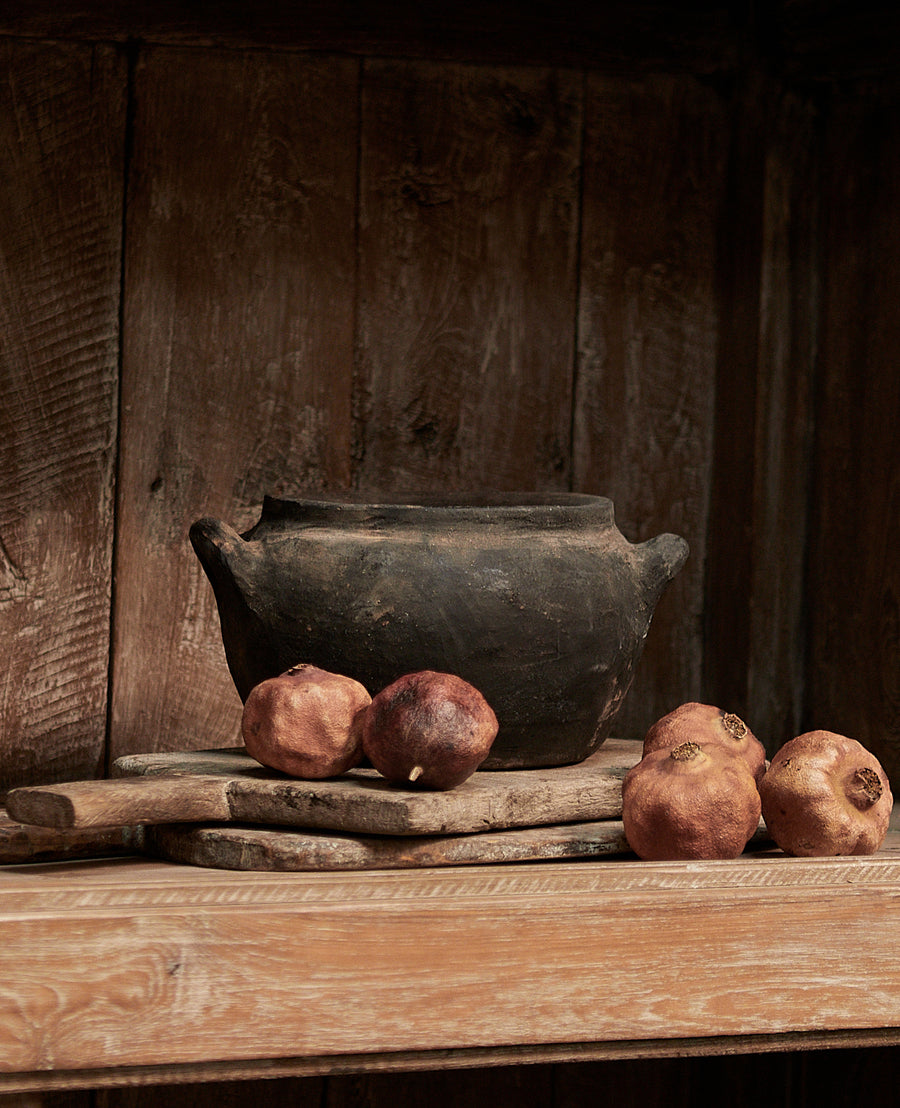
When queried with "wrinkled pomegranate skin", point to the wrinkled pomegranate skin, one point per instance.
{"points": [[705, 723], [428, 729], [703, 807], [306, 722], [811, 802]]}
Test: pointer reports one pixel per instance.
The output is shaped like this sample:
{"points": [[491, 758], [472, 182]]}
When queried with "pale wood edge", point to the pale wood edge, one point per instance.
{"points": [[461, 1058]]}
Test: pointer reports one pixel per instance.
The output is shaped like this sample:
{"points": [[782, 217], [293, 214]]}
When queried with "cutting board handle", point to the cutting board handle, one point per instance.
{"points": [[121, 802]]}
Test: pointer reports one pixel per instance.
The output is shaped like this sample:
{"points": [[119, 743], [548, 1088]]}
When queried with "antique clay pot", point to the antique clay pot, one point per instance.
{"points": [[536, 600]]}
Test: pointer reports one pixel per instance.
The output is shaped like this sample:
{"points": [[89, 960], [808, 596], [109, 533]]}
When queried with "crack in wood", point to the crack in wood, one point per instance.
{"points": [[13, 583]]}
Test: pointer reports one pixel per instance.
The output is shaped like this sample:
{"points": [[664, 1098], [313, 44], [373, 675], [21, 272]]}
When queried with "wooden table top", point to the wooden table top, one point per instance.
{"points": [[124, 970]]}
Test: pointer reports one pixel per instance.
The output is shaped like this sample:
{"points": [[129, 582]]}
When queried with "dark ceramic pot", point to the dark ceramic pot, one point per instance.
{"points": [[536, 600]]}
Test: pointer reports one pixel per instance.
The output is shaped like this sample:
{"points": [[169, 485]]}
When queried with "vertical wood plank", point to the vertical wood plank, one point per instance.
{"points": [[468, 236], [784, 395], [854, 573], [653, 194], [729, 553], [62, 112], [238, 346]]}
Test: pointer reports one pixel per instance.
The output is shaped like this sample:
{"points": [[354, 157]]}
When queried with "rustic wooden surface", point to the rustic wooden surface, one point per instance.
{"points": [[22, 843], [755, 632], [337, 968], [345, 274], [772, 687], [80, 805], [239, 316], [287, 851], [468, 246], [654, 174], [804, 282], [281, 850], [854, 566], [62, 118], [199, 786]]}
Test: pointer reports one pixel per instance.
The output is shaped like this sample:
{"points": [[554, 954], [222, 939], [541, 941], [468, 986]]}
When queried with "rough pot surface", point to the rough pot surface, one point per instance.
{"points": [[537, 601]]}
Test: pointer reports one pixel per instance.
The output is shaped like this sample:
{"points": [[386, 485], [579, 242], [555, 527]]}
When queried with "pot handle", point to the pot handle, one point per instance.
{"points": [[218, 547], [662, 557]]}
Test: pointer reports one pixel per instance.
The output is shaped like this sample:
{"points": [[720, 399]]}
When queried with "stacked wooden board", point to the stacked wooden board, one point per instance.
{"points": [[222, 809]]}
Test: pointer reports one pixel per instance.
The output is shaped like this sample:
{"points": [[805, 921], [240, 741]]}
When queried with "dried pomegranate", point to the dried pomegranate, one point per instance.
{"points": [[705, 723], [689, 801], [429, 729], [826, 794], [306, 722]]}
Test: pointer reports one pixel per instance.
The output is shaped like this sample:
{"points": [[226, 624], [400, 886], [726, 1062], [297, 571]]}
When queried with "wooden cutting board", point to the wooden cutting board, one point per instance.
{"points": [[228, 786], [232, 846], [236, 847]]}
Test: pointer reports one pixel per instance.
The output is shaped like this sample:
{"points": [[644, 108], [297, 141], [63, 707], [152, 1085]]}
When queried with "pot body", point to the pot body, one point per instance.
{"points": [[537, 601]]}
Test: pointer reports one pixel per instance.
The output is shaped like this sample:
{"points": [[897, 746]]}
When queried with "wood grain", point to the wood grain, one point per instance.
{"points": [[730, 540], [120, 803], [435, 960], [62, 112], [468, 235], [854, 570], [22, 843], [648, 324], [238, 350], [761, 488], [198, 786], [785, 389], [279, 850]]}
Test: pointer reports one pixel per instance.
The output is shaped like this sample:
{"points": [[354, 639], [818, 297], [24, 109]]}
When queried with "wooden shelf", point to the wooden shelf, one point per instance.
{"points": [[124, 971]]}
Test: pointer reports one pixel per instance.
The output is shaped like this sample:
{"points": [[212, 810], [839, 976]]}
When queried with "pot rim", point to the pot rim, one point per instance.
{"points": [[544, 509]]}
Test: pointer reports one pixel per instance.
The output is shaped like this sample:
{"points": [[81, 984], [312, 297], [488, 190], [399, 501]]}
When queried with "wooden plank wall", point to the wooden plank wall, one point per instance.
{"points": [[628, 282], [654, 194], [854, 564], [62, 133], [456, 283], [238, 341], [278, 340]]}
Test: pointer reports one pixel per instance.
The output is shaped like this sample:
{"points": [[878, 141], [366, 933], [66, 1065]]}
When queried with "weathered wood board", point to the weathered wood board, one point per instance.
{"points": [[22, 843], [853, 576], [264, 848], [238, 325], [648, 331], [132, 963], [61, 110], [279, 850], [468, 246], [228, 785]]}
